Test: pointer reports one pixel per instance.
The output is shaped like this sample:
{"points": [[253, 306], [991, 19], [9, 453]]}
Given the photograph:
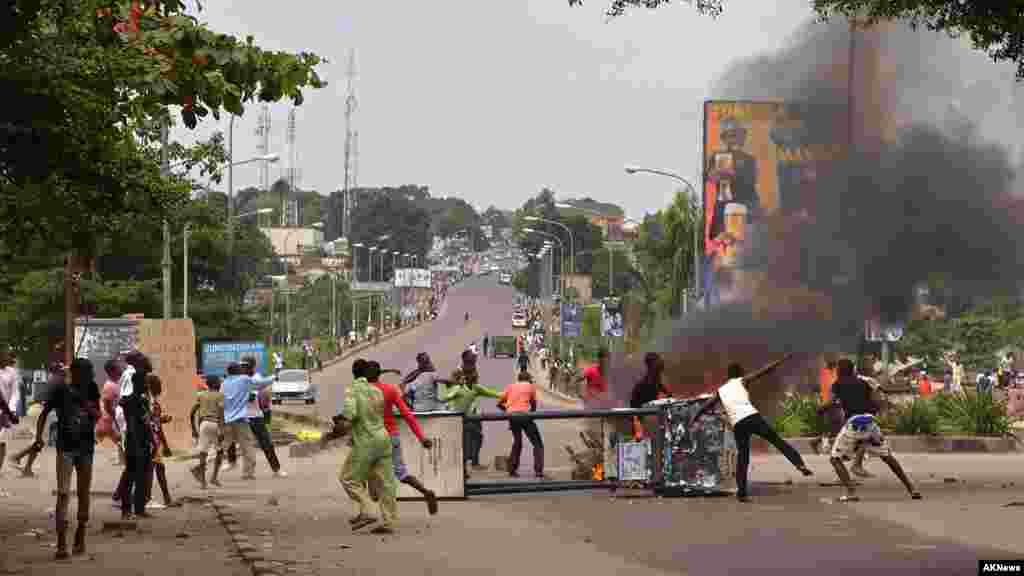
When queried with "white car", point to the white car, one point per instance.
{"points": [[293, 384]]}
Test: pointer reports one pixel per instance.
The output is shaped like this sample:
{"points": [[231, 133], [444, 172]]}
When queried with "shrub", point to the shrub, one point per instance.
{"points": [[920, 416], [799, 417], [973, 413]]}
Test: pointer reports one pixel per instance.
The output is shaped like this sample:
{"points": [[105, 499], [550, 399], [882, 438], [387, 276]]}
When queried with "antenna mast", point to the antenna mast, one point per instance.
{"points": [[350, 144], [263, 131], [287, 199]]}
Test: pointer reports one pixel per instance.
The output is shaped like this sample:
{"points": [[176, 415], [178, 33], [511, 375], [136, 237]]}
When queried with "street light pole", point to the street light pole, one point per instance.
{"points": [[231, 200], [184, 266], [572, 241], [165, 170], [697, 225]]}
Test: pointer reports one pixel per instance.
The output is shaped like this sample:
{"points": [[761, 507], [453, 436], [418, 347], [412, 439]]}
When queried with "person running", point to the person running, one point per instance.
{"points": [[519, 398], [161, 449], [369, 460], [238, 388], [54, 378], [208, 411], [423, 386], [746, 422], [392, 401], [860, 404], [463, 396], [596, 378], [77, 408], [259, 401], [9, 399]]}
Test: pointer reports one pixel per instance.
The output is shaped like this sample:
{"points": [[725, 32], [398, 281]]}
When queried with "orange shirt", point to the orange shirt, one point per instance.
{"points": [[517, 396], [924, 386], [828, 376]]}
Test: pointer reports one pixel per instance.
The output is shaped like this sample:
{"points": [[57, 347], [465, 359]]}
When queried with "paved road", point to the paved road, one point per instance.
{"points": [[490, 306]]}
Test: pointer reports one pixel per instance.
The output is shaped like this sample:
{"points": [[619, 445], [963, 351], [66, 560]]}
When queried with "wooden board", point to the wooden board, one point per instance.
{"points": [[441, 468], [171, 347]]}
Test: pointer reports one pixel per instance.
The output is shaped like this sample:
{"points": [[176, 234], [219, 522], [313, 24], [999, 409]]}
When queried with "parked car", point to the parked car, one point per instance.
{"points": [[293, 384]]}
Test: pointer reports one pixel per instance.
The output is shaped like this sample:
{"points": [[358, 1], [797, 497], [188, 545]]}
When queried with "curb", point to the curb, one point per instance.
{"points": [[258, 565], [923, 445]]}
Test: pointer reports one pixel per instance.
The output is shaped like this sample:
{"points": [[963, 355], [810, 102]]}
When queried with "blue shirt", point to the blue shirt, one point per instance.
{"points": [[236, 391]]}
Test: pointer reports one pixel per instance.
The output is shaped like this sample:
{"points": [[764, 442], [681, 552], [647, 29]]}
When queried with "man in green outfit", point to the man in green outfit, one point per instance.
{"points": [[369, 461], [463, 395]]}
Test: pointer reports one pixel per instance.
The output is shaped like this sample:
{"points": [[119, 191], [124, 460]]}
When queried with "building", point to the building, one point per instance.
{"points": [[292, 243]]}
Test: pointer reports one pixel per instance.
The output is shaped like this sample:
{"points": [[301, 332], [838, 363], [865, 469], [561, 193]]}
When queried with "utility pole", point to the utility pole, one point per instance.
{"points": [[263, 131], [184, 266], [231, 203], [165, 170], [351, 104], [292, 156]]}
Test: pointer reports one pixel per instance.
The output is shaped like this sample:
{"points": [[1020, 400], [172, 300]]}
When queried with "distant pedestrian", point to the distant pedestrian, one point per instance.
{"points": [[486, 343], [77, 407], [747, 422]]}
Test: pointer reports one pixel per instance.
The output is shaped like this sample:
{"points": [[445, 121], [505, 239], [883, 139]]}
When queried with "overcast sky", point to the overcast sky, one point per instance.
{"points": [[491, 101]]}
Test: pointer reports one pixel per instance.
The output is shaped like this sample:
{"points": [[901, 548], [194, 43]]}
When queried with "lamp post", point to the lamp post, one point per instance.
{"points": [[696, 227], [355, 254], [572, 240], [369, 270], [561, 249], [611, 252], [184, 257]]}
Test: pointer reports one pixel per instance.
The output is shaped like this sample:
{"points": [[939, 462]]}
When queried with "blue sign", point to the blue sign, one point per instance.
{"points": [[217, 355], [571, 320]]}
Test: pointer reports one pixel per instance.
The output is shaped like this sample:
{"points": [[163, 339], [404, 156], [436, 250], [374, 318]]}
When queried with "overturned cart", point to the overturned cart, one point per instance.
{"points": [[674, 460]]}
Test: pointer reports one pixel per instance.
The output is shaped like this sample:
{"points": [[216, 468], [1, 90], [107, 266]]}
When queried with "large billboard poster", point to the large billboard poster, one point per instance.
{"points": [[570, 319], [759, 160], [611, 318], [217, 355]]}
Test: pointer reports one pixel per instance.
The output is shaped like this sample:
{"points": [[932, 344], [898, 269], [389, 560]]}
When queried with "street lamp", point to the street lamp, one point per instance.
{"points": [[548, 243], [697, 200], [184, 256], [572, 241]]}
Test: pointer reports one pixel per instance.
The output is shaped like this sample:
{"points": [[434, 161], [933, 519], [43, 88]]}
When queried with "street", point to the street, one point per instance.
{"points": [[972, 509]]}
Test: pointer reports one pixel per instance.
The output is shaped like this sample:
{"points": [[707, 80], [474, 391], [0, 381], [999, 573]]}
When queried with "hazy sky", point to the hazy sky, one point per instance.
{"points": [[491, 101]]}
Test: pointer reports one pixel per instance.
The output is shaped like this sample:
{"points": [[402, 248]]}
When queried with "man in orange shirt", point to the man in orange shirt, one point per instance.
{"points": [[521, 397]]}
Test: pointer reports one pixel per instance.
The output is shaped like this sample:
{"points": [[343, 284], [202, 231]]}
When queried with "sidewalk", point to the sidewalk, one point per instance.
{"points": [[176, 541]]}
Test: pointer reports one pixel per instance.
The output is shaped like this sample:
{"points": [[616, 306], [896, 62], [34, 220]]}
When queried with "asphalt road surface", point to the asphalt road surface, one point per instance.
{"points": [[490, 306]]}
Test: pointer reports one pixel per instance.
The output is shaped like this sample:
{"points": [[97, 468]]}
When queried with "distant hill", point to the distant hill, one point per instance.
{"points": [[587, 207]]}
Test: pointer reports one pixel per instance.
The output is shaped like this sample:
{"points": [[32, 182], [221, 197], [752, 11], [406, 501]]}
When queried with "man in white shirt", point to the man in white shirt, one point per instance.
{"points": [[9, 395], [746, 422]]}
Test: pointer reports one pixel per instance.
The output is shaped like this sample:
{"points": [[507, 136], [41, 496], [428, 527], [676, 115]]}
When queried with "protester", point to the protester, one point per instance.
{"points": [[77, 408], [55, 378], [369, 460], [160, 449], [422, 386], [746, 422], [208, 411], [463, 396], [9, 399], [137, 436], [109, 397], [259, 400], [486, 343], [518, 398], [647, 389], [238, 389], [861, 429], [392, 401], [596, 377]]}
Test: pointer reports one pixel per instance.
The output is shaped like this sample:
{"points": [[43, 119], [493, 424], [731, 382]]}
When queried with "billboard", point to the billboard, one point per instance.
{"points": [[217, 355], [611, 318], [760, 161], [412, 278], [571, 315]]}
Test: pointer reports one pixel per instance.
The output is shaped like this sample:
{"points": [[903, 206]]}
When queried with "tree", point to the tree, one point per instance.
{"points": [[993, 27], [496, 218], [622, 270], [665, 249], [87, 86], [396, 216]]}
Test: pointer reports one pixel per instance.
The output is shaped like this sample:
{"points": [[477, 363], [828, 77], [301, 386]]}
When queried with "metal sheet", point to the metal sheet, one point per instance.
{"points": [[698, 460], [441, 468]]}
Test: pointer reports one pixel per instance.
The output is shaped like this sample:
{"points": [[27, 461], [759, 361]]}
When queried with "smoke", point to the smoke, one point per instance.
{"points": [[936, 201]]}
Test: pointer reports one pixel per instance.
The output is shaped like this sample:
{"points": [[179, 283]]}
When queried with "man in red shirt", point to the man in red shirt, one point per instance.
{"points": [[596, 376], [392, 400]]}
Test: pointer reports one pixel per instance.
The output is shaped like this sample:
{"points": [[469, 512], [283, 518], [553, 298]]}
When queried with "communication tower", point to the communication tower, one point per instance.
{"points": [[351, 104]]}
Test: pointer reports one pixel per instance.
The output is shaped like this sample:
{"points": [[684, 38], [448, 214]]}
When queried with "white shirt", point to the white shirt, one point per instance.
{"points": [[9, 387], [736, 401], [252, 405]]}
